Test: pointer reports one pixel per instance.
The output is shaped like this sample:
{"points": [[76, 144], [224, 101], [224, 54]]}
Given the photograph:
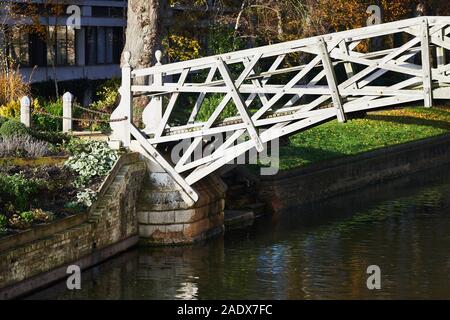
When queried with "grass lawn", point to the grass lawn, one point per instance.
{"points": [[377, 130]]}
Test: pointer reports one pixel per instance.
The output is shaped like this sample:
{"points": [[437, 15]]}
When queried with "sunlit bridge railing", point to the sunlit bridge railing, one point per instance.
{"points": [[272, 91]]}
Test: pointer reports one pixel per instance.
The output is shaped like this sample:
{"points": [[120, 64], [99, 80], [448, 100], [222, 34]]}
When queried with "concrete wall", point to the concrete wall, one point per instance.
{"points": [[331, 178], [41, 255]]}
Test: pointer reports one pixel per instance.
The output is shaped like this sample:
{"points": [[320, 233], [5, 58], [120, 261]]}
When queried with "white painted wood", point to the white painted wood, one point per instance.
{"points": [[67, 111], [202, 95], [440, 51], [121, 130], [240, 104], [331, 79], [152, 114], [173, 99], [25, 112], [426, 65], [275, 116], [156, 156], [347, 65]]}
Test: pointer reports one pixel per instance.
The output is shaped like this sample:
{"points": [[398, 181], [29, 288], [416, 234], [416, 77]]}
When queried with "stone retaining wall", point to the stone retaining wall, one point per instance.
{"points": [[33, 259], [324, 180]]}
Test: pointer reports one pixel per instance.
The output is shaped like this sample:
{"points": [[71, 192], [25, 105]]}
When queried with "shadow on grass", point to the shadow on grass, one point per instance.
{"points": [[441, 124]]}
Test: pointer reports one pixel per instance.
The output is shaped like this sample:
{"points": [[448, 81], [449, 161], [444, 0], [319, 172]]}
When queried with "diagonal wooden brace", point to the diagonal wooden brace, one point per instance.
{"points": [[240, 104]]}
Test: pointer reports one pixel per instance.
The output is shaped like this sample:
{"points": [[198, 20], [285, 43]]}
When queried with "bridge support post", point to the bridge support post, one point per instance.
{"points": [[152, 114], [331, 79], [440, 51], [426, 65], [349, 70], [121, 135]]}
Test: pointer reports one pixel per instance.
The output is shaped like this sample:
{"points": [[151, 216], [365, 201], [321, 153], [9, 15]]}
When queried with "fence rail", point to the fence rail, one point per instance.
{"points": [[281, 89], [67, 113]]}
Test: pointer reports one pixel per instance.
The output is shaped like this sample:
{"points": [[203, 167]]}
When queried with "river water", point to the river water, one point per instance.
{"points": [[319, 251]]}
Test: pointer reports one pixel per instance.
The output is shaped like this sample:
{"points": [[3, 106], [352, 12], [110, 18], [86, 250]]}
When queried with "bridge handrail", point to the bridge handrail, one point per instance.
{"points": [[310, 92]]}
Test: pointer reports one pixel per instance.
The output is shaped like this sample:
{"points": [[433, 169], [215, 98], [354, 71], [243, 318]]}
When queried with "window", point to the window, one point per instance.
{"points": [[61, 46], [37, 50], [19, 48], [112, 12], [91, 47], [103, 45]]}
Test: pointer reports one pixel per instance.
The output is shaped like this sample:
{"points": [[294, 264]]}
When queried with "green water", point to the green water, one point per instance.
{"points": [[319, 251]]}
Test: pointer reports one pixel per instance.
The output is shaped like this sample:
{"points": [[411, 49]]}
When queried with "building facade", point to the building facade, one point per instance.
{"points": [[69, 49]]}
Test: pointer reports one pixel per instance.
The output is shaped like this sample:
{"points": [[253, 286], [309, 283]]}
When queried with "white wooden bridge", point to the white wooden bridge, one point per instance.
{"points": [[278, 90]]}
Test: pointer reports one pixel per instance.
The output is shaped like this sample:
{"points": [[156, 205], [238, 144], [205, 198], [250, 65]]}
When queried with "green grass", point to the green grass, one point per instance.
{"points": [[377, 130]]}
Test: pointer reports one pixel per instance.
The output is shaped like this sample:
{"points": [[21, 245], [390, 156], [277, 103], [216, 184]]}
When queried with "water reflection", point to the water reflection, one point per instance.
{"points": [[310, 252]]}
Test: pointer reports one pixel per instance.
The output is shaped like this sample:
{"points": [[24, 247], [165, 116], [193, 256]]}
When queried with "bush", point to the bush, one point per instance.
{"points": [[17, 192], [12, 86], [107, 97], [3, 223], [50, 136], [23, 146], [44, 122], [27, 218], [86, 197], [20, 222], [13, 128], [90, 159], [2, 120], [10, 110]]}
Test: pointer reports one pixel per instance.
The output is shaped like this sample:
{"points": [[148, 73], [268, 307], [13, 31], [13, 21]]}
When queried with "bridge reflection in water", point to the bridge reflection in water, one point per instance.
{"points": [[317, 251]]}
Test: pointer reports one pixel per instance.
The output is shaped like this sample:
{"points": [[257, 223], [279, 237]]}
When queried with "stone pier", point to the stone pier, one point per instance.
{"points": [[167, 216]]}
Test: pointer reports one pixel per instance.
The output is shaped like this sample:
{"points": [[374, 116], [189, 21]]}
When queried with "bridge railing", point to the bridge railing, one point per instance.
{"points": [[282, 88]]}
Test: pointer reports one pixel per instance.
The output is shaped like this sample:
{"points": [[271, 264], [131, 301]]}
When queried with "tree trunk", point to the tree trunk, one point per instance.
{"points": [[143, 38], [143, 35]]}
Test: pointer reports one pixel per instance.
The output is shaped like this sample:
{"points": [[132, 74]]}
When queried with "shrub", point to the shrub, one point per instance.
{"points": [[45, 122], [86, 197], [90, 159], [13, 128], [2, 120], [12, 86], [17, 192], [3, 223], [10, 110], [40, 215], [107, 96], [50, 136], [20, 222], [36, 215], [23, 146]]}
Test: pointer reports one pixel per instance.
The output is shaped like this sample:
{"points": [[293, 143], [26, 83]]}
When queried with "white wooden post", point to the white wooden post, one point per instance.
{"points": [[331, 79], [25, 114], [152, 114], [426, 65], [120, 135], [348, 65], [67, 111], [440, 52]]}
